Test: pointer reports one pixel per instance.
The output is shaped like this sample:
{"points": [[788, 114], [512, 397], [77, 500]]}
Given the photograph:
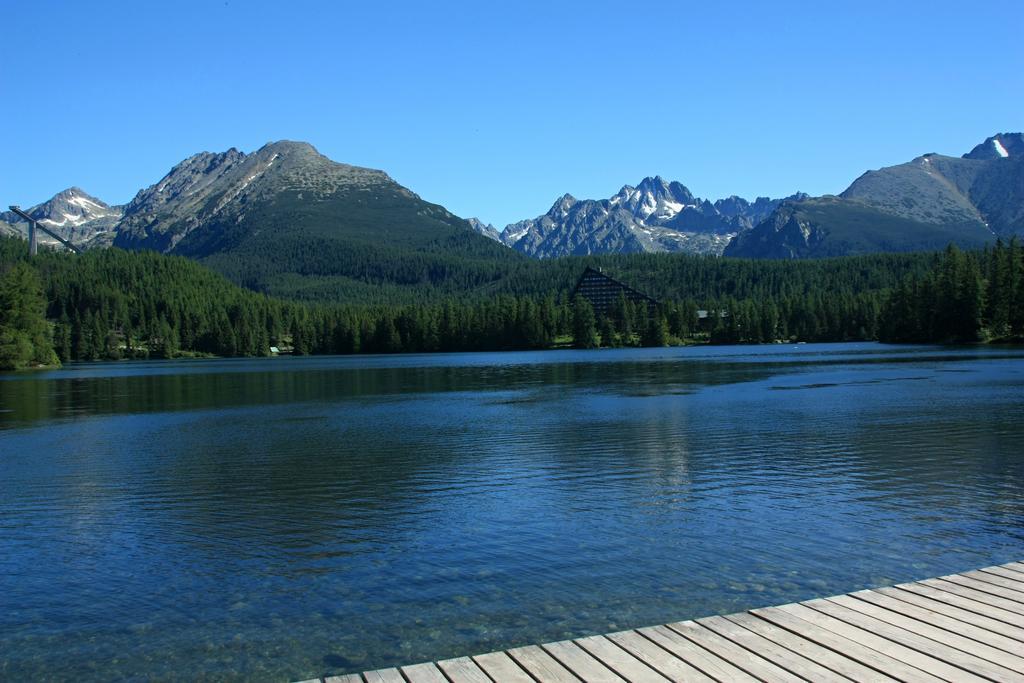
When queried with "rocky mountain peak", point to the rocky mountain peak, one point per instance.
{"points": [[732, 205], [1000, 145], [288, 147], [485, 229], [654, 197], [659, 189], [72, 206], [74, 214], [655, 186], [654, 215], [561, 206], [69, 207]]}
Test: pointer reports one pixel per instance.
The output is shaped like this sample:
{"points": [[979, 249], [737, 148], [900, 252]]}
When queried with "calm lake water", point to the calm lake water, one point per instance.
{"points": [[279, 519]]}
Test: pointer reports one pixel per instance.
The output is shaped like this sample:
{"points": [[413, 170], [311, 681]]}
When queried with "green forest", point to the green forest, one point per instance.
{"points": [[113, 304], [965, 297]]}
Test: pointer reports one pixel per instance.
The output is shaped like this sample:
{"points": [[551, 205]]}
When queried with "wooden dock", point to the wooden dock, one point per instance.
{"points": [[962, 627]]}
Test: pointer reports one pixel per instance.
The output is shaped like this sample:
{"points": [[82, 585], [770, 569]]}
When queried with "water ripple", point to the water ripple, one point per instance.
{"points": [[279, 519]]}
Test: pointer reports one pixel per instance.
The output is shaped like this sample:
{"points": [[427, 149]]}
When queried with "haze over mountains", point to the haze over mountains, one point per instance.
{"points": [[287, 220]]}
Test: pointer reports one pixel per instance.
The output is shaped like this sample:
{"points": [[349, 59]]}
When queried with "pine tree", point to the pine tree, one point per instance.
{"points": [[607, 330], [25, 336], [656, 330], [584, 324]]}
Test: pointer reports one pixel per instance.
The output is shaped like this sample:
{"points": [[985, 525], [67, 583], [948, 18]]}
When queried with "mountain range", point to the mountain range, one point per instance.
{"points": [[654, 216], [923, 204], [289, 221]]}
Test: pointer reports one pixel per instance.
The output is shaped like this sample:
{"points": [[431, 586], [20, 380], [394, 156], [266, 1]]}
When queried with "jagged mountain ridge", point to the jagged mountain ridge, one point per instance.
{"points": [[288, 220], [654, 216], [923, 204], [209, 192], [999, 146], [485, 229], [247, 214]]}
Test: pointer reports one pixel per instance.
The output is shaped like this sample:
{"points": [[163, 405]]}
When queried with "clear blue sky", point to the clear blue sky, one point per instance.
{"points": [[496, 109]]}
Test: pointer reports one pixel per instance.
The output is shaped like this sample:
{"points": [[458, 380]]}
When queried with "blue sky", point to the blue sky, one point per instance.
{"points": [[496, 109]]}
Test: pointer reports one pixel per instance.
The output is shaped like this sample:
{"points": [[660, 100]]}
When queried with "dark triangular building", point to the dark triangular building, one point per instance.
{"points": [[602, 291]]}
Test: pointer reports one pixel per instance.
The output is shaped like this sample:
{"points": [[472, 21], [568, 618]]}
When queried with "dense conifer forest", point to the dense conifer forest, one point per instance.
{"points": [[965, 297], [112, 304]]}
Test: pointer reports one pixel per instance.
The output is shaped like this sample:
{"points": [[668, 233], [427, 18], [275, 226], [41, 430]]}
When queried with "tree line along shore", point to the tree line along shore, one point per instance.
{"points": [[112, 304]]}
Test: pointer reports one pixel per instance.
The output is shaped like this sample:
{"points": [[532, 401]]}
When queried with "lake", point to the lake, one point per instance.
{"points": [[283, 518]]}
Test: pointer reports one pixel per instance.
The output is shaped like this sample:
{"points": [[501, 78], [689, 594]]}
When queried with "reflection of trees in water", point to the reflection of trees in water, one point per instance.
{"points": [[497, 502], [604, 449], [31, 400], [335, 481]]}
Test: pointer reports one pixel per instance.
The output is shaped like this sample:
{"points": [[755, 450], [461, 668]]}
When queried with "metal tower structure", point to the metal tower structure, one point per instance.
{"points": [[33, 226]]}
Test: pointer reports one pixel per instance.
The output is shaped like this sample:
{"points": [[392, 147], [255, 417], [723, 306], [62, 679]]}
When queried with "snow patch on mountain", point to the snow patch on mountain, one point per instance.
{"points": [[653, 216]]}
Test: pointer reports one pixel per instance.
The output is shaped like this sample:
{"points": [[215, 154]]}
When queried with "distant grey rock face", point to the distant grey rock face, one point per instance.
{"points": [[786, 234], [654, 216], [985, 187], [224, 189], [485, 229], [163, 213], [73, 214], [920, 205], [8, 230], [212, 202], [930, 189]]}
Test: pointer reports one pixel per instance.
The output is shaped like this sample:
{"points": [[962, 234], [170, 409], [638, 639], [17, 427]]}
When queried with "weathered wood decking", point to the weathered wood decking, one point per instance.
{"points": [[962, 627]]}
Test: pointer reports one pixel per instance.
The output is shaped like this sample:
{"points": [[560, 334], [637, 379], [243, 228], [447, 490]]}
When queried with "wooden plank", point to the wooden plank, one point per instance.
{"points": [[582, 664], [985, 587], [992, 661], [666, 663], [962, 627], [943, 620], [1014, 566], [383, 676], [843, 638], [974, 594], [1006, 574], [620, 661], [423, 673], [913, 649], [753, 664], [951, 610], [773, 652], [500, 667], [957, 599], [541, 665], [995, 579], [694, 655], [462, 670], [850, 668]]}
